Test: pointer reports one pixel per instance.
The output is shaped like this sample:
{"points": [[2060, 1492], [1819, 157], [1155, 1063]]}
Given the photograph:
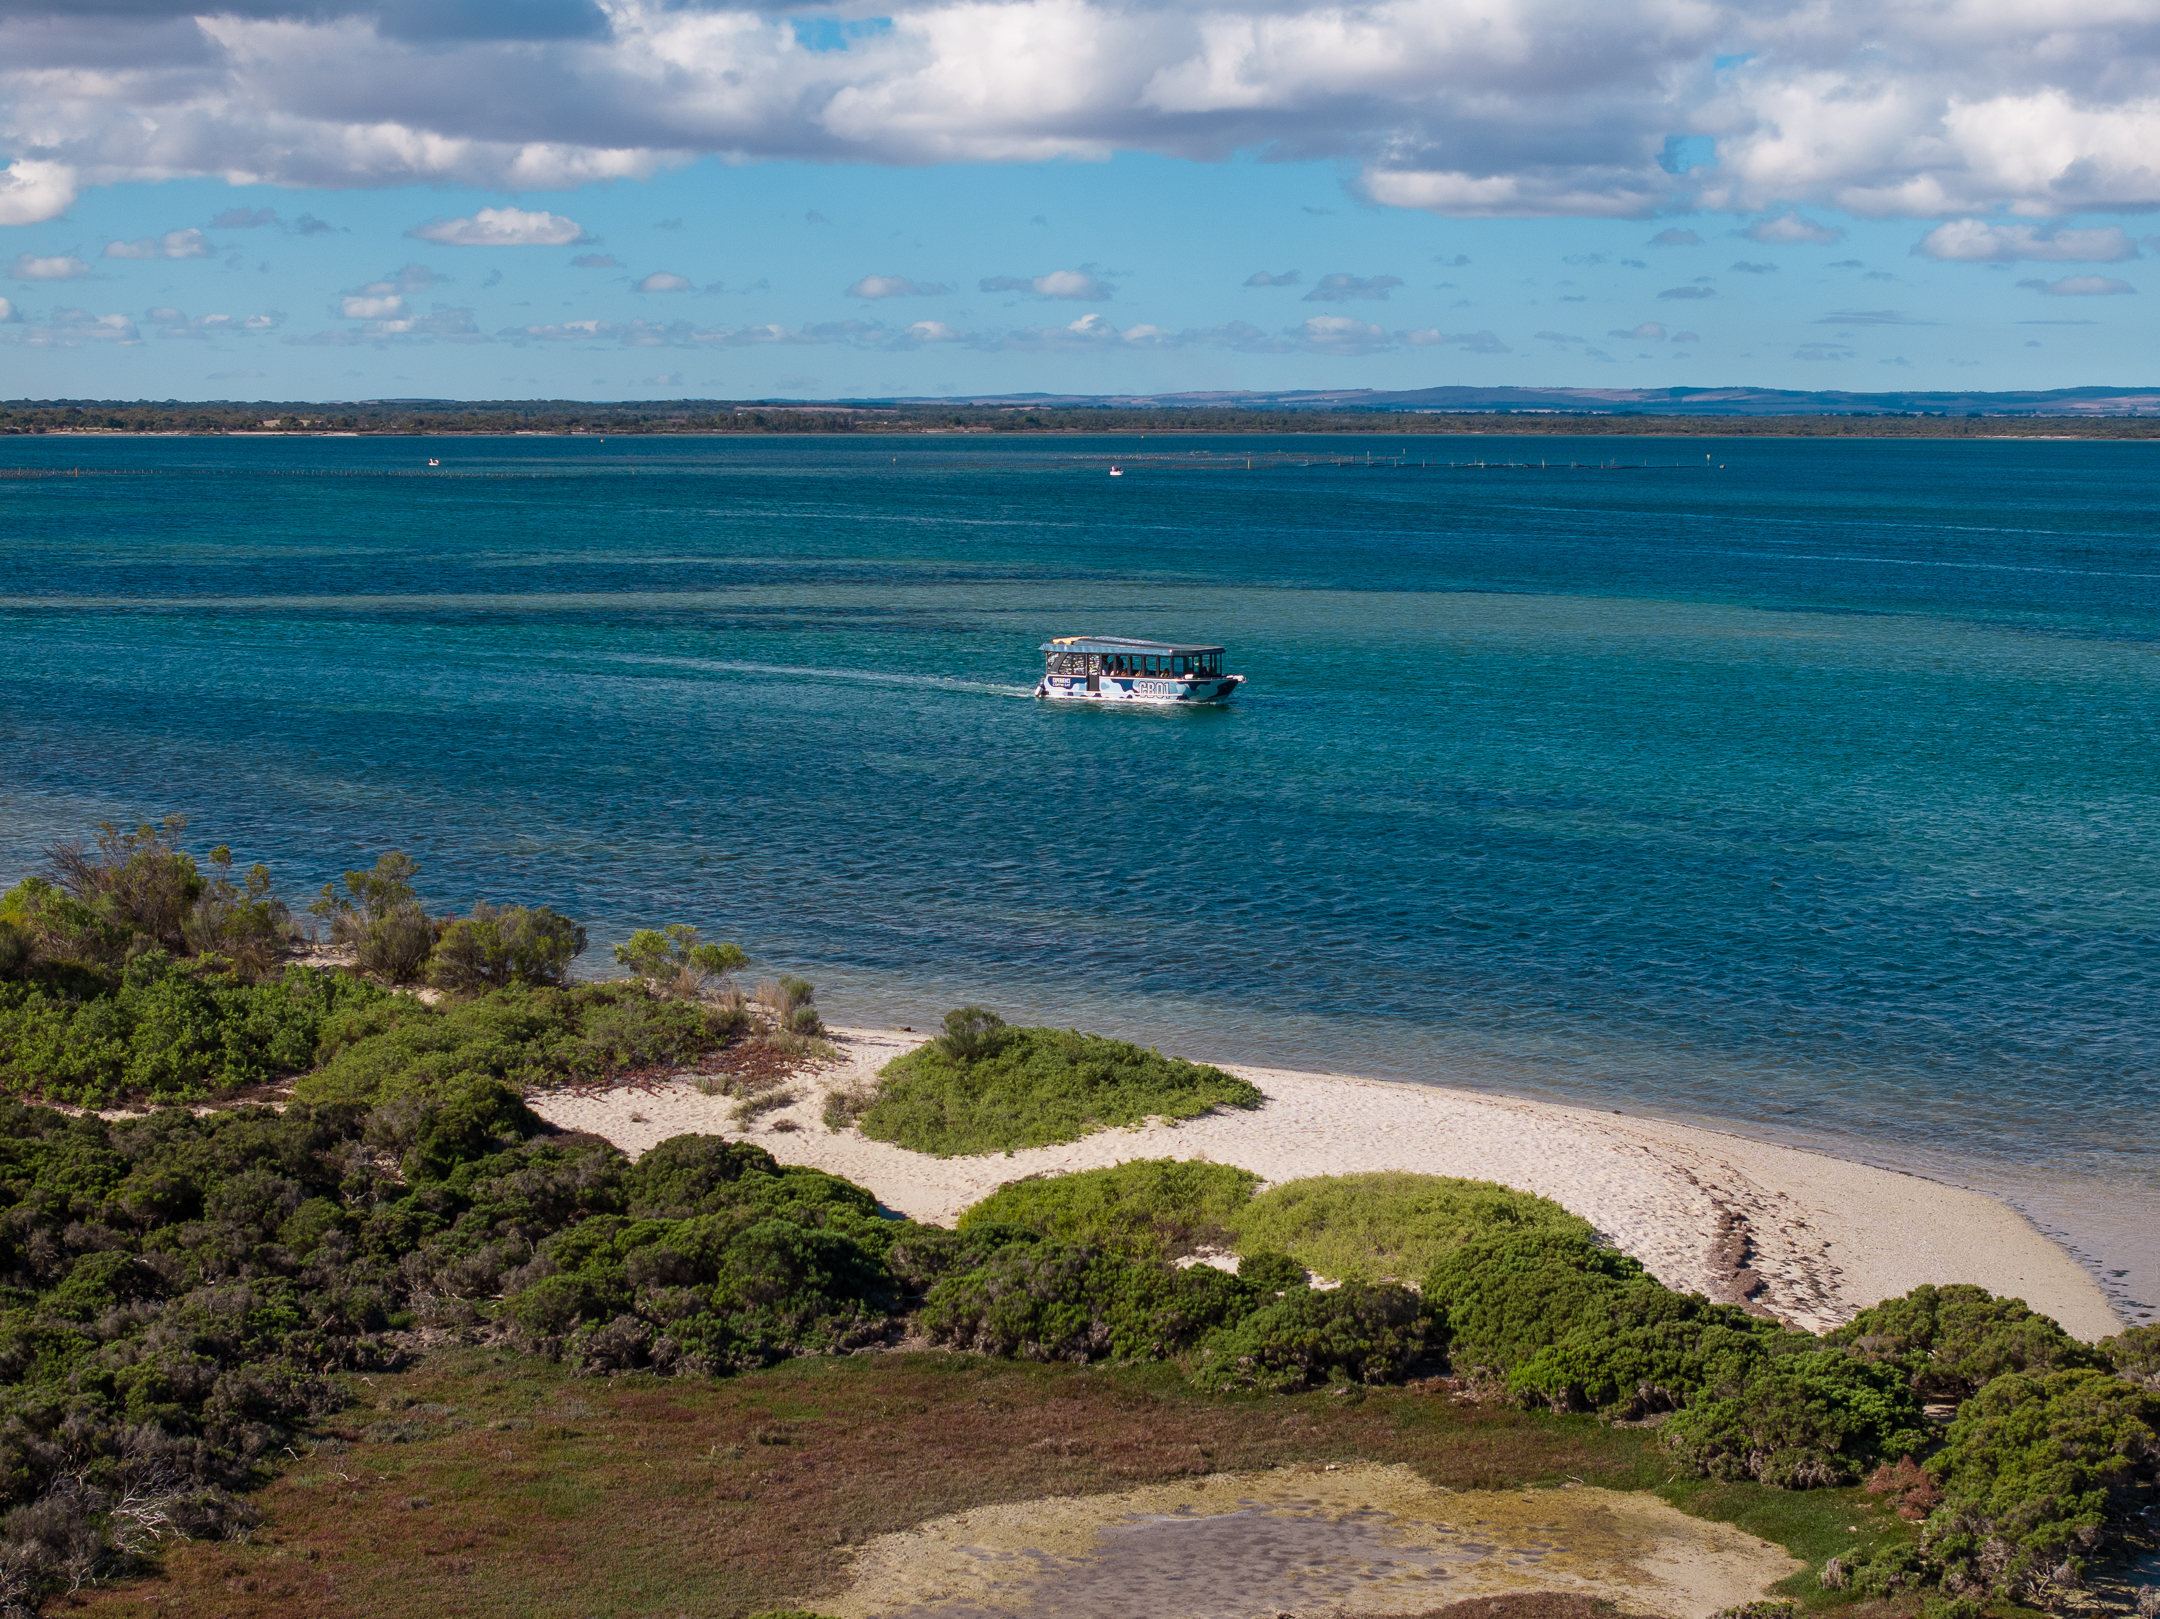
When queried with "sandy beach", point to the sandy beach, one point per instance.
{"points": [[1808, 1238]]}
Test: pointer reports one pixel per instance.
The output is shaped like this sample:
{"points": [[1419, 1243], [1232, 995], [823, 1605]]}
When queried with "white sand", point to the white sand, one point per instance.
{"points": [[1810, 1238]]}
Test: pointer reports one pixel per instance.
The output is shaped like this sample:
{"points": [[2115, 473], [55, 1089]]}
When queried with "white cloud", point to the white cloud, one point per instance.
{"points": [[174, 244], [60, 267], [172, 323], [1649, 331], [2082, 286], [1340, 288], [665, 281], [1081, 285], [503, 227], [365, 306], [1261, 278], [72, 328], [1790, 228], [1475, 342], [896, 286], [1974, 241], [32, 192], [1909, 108], [8, 313]]}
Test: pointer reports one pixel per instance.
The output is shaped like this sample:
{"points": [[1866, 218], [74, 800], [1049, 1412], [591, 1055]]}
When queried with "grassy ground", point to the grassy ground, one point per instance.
{"points": [[489, 1484]]}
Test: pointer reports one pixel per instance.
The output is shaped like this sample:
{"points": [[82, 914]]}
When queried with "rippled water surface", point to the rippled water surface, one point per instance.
{"points": [[1809, 787]]}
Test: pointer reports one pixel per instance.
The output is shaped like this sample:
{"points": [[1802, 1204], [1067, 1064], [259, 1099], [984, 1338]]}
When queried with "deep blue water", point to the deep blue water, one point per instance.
{"points": [[1810, 787]]}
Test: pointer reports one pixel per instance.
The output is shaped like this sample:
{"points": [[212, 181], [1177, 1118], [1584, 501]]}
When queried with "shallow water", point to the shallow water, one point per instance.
{"points": [[1808, 788]]}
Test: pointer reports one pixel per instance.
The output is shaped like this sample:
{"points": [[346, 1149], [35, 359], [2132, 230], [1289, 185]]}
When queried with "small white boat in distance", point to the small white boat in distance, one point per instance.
{"points": [[1117, 472], [1113, 669]]}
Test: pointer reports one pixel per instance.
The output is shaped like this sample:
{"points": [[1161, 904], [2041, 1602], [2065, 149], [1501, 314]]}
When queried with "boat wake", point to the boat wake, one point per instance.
{"points": [[872, 677]]}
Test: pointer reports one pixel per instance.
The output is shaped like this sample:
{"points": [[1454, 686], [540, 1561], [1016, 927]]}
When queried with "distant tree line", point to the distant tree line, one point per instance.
{"points": [[698, 417]]}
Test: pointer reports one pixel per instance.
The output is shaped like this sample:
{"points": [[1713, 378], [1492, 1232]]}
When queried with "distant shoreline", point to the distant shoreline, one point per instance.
{"points": [[1999, 429]]}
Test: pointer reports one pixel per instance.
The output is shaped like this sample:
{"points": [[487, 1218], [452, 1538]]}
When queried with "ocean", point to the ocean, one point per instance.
{"points": [[1804, 787]]}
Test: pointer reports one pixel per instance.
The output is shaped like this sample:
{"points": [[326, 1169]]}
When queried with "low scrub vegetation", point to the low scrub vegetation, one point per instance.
{"points": [[1388, 1225], [984, 1087], [1149, 1208]]}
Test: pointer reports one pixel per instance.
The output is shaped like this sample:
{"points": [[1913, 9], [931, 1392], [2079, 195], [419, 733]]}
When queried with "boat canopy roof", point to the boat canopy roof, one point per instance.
{"points": [[1118, 645]]}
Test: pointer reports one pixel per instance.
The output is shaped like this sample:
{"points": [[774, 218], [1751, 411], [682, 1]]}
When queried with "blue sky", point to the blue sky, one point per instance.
{"points": [[514, 201]]}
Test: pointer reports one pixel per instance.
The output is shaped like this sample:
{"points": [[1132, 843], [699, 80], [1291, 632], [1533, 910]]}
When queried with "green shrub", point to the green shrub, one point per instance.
{"points": [[2135, 1355], [674, 962], [167, 1032], [523, 1037], [17, 948], [381, 920], [1951, 1340], [1150, 1208], [1388, 1224], [1039, 1087], [1800, 1421], [2035, 1472], [971, 1034], [1064, 1302], [1350, 1334], [498, 946]]}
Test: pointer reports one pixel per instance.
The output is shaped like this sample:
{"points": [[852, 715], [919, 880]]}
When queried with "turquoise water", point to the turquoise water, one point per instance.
{"points": [[1809, 788]]}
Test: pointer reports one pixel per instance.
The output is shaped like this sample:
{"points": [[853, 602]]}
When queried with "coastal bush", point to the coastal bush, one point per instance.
{"points": [[136, 892], [1949, 1341], [501, 945], [674, 961], [522, 1037], [1070, 1302], [971, 1034], [1036, 1088], [1802, 1420], [381, 920], [167, 1031], [2036, 1471], [2135, 1355], [1388, 1224], [1354, 1334], [1149, 1208]]}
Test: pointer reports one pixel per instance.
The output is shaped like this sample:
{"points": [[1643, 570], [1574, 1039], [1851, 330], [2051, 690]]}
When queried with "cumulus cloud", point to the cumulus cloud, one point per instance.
{"points": [[60, 267], [174, 244], [1081, 285], [2081, 286], [1260, 278], [503, 227], [665, 281], [1341, 288], [896, 286], [72, 328], [9, 314], [363, 306], [172, 323], [1475, 342], [32, 192], [397, 323], [1649, 331], [1882, 107], [1684, 293], [1974, 241], [1871, 317], [1790, 228]]}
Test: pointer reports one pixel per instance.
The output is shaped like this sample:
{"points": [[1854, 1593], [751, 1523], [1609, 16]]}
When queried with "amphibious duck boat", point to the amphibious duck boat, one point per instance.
{"points": [[1112, 669]]}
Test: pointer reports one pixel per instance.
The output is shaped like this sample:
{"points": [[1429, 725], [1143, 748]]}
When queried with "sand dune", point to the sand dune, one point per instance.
{"points": [[1809, 1238]]}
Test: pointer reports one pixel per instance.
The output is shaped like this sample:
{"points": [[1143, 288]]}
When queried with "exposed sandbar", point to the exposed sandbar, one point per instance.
{"points": [[1809, 1238]]}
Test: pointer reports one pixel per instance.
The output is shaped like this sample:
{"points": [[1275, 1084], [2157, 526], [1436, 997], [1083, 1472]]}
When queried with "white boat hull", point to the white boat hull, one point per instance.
{"points": [[1161, 689]]}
